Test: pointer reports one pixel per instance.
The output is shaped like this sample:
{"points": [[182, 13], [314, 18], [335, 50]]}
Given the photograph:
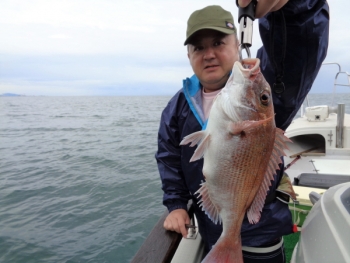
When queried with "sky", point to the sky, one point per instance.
{"points": [[120, 47]]}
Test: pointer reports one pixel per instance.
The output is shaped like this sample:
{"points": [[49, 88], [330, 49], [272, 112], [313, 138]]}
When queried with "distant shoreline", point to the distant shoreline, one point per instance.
{"points": [[11, 95]]}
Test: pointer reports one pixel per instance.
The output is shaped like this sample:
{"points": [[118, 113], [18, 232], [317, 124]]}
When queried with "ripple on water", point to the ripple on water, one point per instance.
{"points": [[78, 179]]}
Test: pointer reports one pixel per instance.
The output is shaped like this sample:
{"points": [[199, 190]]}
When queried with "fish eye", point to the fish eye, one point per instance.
{"points": [[265, 98]]}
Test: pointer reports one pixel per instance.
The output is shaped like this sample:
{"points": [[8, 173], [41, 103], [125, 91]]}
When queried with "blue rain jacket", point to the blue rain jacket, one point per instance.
{"points": [[307, 24]]}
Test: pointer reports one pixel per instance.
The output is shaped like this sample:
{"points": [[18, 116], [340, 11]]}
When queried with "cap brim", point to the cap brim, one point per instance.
{"points": [[227, 31]]}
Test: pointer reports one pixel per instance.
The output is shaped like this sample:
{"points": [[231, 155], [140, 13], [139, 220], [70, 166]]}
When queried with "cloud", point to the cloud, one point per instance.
{"points": [[59, 36], [80, 45], [94, 27], [81, 74]]}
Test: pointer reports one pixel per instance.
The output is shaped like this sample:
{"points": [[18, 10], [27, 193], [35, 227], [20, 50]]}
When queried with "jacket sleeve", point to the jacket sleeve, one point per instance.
{"points": [[296, 52], [168, 156]]}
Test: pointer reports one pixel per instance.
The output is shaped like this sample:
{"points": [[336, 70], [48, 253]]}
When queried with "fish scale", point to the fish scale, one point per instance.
{"points": [[241, 147]]}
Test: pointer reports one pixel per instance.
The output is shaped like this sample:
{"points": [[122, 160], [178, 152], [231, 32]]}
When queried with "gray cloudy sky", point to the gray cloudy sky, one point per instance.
{"points": [[105, 47]]}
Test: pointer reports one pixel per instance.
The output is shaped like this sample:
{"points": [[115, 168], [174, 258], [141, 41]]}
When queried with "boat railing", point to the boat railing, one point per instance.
{"points": [[339, 109], [160, 245], [335, 84]]}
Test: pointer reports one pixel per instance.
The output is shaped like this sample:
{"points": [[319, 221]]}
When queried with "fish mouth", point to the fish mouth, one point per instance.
{"points": [[249, 66]]}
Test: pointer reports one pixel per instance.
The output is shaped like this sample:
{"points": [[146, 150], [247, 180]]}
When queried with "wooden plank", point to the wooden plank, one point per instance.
{"points": [[303, 152], [314, 154], [160, 245]]}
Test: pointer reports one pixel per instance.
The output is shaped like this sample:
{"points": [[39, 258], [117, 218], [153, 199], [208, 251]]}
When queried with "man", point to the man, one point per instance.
{"points": [[295, 38]]}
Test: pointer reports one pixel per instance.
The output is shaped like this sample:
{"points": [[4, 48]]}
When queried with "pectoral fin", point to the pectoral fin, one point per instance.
{"points": [[201, 138]]}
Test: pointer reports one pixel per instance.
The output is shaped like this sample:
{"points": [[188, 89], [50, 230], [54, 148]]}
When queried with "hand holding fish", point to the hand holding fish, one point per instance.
{"points": [[176, 221]]}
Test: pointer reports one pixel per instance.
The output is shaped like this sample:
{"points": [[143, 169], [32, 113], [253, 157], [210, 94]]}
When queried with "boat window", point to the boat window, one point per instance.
{"points": [[311, 144]]}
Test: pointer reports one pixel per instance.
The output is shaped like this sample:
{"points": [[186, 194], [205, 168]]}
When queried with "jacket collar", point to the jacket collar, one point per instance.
{"points": [[192, 90]]}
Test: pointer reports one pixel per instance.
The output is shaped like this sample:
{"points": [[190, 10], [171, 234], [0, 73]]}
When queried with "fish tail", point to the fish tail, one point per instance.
{"points": [[225, 251]]}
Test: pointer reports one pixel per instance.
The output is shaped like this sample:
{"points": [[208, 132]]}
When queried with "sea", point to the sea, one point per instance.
{"points": [[78, 178]]}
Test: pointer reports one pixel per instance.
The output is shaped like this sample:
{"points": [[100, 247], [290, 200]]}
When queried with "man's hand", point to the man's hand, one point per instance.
{"points": [[176, 221], [264, 6]]}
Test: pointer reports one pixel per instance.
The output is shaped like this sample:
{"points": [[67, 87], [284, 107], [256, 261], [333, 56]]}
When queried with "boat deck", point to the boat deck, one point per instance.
{"points": [[314, 149]]}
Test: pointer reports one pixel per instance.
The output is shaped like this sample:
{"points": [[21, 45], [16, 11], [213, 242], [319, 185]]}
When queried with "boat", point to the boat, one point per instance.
{"points": [[320, 153], [325, 234], [317, 160]]}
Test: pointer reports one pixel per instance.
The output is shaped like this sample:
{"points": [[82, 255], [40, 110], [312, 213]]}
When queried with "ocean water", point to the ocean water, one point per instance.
{"points": [[78, 178]]}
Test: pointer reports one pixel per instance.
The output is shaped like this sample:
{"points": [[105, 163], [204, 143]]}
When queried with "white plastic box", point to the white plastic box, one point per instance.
{"points": [[317, 113]]}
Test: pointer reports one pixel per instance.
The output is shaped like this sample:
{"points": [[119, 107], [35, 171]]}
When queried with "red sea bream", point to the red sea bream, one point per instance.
{"points": [[241, 147]]}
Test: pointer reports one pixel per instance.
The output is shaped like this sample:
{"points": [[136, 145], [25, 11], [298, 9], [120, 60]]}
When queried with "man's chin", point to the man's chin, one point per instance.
{"points": [[217, 80]]}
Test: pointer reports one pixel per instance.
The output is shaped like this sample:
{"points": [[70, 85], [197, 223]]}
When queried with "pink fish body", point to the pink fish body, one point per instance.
{"points": [[241, 147]]}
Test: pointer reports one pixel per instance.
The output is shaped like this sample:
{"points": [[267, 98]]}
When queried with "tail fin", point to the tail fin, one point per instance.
{"points": [[225, 251]]}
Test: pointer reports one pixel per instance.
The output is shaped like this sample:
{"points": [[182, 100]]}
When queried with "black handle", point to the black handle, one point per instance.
{"points": [[248, 11]]}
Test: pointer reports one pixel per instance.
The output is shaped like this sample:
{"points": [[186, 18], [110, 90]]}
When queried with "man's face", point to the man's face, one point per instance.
{"points": [[212, 55]]}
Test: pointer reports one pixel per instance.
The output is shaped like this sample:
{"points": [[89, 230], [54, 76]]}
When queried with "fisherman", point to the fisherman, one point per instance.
{"points": [[295, 40]]}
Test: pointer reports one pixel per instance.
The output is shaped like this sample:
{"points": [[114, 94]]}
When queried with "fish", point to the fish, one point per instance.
{"points": [[242, 149]]}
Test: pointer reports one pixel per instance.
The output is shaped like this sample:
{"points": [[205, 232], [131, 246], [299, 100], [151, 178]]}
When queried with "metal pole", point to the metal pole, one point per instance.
{"points": [[340, 126]]}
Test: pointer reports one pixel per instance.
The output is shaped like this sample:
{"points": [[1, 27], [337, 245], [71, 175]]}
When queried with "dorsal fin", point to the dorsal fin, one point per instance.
{"points": [[255, 208]]}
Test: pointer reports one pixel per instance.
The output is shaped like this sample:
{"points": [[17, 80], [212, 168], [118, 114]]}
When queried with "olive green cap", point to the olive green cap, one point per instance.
{"points": [[211, 17]]}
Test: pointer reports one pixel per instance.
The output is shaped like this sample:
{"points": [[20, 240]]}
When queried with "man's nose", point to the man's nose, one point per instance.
{"points": [[209, 53]]}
